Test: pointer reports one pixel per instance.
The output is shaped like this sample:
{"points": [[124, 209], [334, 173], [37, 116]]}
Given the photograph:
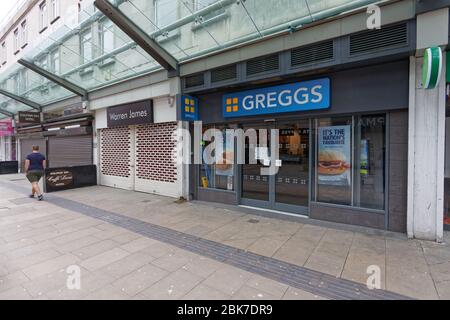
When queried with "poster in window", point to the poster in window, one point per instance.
{"points": [[334, 156], [364, 156], [224, 166]]}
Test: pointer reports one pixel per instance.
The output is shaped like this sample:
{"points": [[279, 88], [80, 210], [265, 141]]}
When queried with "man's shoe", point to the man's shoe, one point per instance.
{"points": [[31, 195], [40, 198]]}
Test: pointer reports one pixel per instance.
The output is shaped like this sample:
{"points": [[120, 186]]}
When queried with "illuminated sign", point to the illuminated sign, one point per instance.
{"points": [[293, 97]]}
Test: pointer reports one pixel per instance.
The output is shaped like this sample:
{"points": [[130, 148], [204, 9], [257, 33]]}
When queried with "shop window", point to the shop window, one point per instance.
{"points": [[334, 160], [219, 174], [370, 154], [350, 161]]}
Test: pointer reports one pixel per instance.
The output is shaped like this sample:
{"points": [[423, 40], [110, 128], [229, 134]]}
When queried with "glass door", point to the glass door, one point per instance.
{"points": [[288, 189], [255, 187], [291, 184]]}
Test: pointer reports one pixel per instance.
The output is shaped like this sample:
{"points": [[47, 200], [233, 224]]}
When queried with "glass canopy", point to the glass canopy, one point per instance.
{"points": [[188, 29], [27, 84], [91, 52]]}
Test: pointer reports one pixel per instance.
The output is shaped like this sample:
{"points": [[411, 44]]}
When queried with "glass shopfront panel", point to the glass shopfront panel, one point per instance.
{"points": [[347, 165], [334, 157], [217, 174], [254, 185], [370, 154], [291, 182], [350, 161]]}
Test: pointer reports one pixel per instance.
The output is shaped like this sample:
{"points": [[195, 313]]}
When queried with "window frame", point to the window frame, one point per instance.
{"points": [[102, 30], [54, 6], [43, 16], [3, 53], [23, 33], [83, 42], [53, 67], [354, 148], [16, 40]]}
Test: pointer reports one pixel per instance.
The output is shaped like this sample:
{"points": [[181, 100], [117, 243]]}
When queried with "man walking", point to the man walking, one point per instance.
{"points": [[34, 168]]}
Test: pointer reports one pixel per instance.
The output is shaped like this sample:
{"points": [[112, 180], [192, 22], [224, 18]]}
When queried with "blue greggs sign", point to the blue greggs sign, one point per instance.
{"points": [[300, 96], [189, 108]]}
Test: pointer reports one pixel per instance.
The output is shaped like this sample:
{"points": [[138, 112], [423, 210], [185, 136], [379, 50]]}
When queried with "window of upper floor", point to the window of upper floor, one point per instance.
{"points": [[43, 17], [166, 12], [3, 53], [23, 81], [86, 47], [54, 7], [106, 36], [23, 33], [16, 41], [55, 61]]}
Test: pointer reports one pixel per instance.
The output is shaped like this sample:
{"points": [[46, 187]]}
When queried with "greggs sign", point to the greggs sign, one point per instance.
{"points": [[300, 96]]}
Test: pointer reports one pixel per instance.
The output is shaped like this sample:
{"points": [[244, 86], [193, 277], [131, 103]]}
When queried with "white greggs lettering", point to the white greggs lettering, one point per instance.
{"points": [[283, 98], [292, 97]]}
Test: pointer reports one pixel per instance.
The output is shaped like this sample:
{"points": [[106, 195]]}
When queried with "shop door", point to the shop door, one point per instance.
{"points": [[255, 187], [288, 190], [117, 157]]}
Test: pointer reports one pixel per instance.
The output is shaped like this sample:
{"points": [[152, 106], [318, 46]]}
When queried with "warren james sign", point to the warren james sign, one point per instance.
{"points": [[130, 114], [300, 96]]}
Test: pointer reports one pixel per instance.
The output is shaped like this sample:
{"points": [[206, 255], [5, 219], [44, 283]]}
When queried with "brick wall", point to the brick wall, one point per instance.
{"points": [[155, 144], [115, 152]]}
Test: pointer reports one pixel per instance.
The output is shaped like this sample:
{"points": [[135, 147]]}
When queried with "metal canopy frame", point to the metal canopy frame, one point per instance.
{"points": [[142, 39], [29, 103], [54, 78], [6, 113]]}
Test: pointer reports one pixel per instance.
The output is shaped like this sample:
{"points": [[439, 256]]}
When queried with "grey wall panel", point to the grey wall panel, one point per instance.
{"points": [[214, 195], [347, 215], [398, 170], [366, 89]]}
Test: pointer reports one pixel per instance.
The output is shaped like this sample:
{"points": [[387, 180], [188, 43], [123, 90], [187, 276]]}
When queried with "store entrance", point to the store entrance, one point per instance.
{"points": [[288, 189]]}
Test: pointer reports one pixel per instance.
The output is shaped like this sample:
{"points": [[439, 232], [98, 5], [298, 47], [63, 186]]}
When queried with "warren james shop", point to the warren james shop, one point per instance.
{"points": [[334, 140]]}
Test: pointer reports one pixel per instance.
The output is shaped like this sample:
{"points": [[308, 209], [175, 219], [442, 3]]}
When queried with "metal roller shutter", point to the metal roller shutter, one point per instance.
{"points": [[69, 151], [25, 149]]}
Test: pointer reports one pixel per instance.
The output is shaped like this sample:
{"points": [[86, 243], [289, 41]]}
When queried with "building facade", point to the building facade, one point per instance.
{"points": [[119, 84]]}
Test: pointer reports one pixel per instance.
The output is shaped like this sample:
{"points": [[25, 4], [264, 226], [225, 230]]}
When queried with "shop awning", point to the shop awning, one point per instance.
{"points": [[116, 40]]}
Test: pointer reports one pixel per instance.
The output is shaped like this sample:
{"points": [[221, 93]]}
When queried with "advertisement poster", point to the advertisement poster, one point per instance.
{"points": [[226, 167], [334, 159], [6, 128]]}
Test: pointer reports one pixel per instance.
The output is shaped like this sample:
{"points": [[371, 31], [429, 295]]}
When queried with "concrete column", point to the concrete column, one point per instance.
{"points": [[426, 146]]}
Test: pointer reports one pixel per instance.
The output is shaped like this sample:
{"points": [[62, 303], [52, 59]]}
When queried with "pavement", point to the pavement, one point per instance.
{"points": [[119, 244]]}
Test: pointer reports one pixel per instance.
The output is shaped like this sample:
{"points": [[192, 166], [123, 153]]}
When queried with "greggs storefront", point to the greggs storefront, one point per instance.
{"points": [[337, 144]]}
